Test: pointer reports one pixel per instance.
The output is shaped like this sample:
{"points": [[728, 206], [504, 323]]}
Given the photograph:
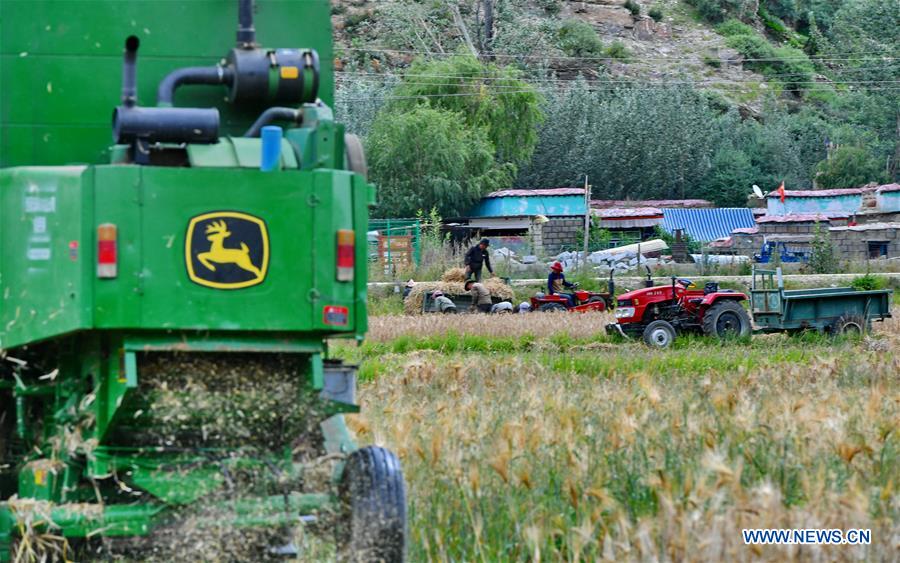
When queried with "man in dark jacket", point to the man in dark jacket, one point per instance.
{"points": [[476, 257]]}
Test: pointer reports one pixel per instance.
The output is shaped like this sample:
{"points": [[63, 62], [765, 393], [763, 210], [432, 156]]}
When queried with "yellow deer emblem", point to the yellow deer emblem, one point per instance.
{"points": [[216, 233]]}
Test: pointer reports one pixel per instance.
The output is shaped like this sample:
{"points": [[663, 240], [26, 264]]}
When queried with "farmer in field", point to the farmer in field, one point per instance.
{"points": [[443, 303], [476, 258], [481, 296], [557, 284]]}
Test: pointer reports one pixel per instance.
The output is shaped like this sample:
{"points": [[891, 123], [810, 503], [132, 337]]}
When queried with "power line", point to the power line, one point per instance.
{"points": [[857, 57], [467, 94]]}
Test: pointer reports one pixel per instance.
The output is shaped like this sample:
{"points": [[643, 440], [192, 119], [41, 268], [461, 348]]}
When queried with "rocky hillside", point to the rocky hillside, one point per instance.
{"points": [[674, 46]]}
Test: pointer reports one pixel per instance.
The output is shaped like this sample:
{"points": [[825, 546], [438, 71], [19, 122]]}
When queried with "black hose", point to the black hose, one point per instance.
{"points": [[129, 71], [273, 114], [212, 75], [246, 33]]}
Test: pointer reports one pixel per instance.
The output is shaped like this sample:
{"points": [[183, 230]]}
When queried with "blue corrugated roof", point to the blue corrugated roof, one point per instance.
{"points": [[706, 225]]}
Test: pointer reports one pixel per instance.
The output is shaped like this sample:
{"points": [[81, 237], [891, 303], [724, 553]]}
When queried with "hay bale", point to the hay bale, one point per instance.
{"points": [[454, 275], [413, 304]]}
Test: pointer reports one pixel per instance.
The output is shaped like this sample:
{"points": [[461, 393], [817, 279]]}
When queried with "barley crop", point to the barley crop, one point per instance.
{"points": [[619, 453]]}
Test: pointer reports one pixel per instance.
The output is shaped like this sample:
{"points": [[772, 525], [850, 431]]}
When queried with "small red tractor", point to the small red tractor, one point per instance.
{"points": [[583, 301], [659, 313]]}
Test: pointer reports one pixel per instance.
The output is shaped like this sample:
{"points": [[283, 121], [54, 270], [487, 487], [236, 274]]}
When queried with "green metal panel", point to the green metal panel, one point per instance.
{"points": [[44, 287], [51, 49], [333, 210]]}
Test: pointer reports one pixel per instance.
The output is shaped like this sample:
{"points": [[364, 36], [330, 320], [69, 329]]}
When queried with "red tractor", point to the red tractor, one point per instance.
{"points": [[659, 313], [584, 301]]}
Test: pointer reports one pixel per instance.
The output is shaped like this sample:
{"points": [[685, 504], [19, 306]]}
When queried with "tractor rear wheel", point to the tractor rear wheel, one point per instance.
{"points": [[726, 319], [659, 334], [550, 307], [850, 325], [373, 493]]}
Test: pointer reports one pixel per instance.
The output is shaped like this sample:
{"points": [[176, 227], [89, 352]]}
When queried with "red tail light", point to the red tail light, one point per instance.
{"points": [[346, 254], [107, 253]]}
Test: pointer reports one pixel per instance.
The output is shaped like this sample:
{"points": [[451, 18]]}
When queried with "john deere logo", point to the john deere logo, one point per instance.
{"points": [[227, 250]]}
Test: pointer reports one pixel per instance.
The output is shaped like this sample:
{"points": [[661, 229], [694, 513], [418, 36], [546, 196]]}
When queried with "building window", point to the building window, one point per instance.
{"points": [[878, 249]]}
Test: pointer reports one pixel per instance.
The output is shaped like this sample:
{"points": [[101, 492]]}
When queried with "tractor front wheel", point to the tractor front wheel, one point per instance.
{"points": [[659, 334], [726, 319], [373, 494]]}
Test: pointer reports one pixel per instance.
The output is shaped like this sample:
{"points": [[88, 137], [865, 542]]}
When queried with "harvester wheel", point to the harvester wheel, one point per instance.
{"points": [[850, 325], [372, 490], [726, 319], [551, 307], [659, 334], [356, 156]]}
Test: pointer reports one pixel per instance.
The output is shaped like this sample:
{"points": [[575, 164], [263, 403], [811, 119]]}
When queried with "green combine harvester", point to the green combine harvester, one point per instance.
{"points": [[167, 294]]}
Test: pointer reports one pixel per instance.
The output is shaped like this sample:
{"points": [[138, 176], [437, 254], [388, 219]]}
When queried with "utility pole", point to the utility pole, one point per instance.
{"points": [[488, 46], [587, 219]]}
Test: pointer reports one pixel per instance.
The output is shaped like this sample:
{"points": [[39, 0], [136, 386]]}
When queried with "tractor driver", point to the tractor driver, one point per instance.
{"points": [[556, 283]]}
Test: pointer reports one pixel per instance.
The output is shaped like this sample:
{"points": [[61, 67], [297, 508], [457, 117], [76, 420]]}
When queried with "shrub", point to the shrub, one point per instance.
{"points": [[733, 27], [786, 64], [552, 7], [618, 51], [712, 61], [720, 10], [353, 20], [822, 259], [867, 282], [633, 7], [578, 39], [656, 13]]}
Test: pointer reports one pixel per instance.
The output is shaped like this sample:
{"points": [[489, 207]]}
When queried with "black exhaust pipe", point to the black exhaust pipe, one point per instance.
{"points": [[246, 33], [129, 72], [136, 125], [211, 75], [274, 114]]}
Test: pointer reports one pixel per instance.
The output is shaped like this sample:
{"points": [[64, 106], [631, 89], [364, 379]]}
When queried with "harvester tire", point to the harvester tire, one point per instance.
{"points": [[373, 494], [356, 156], [551, 307], [726, 319], [851, 326], [659, 334]]}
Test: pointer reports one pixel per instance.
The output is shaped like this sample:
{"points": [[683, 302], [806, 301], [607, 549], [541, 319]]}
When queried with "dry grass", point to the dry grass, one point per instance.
{"points": [[532, 456], [387, 328]]}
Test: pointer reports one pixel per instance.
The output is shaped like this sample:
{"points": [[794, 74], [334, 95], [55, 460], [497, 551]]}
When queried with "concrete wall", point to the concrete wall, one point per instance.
{"points": [[837, 204], [560, 233], [889, 202], [853, 245], [848, 244], [532, 205]]}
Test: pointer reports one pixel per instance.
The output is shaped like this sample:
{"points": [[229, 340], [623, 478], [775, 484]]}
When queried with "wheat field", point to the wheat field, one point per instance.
{"points": [[534, 438]]}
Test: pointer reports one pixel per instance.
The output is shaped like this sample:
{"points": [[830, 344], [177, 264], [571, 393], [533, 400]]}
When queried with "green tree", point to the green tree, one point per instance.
{"points": [[822, 259], [424, 159], [849, 167], [483, 95]]}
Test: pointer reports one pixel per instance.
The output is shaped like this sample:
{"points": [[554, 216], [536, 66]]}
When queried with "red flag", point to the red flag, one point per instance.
{"points": [[780, 191]]}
